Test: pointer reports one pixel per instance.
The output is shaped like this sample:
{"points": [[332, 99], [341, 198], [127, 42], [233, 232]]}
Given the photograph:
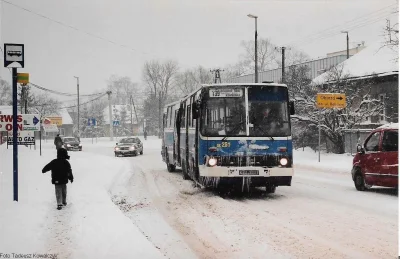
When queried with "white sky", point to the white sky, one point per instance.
{"points": [[201, 32]]}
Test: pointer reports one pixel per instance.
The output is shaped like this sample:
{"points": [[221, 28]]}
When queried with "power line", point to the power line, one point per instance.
{"points": [[349, 25], [94, 99], [61, 93], [76, 29]]}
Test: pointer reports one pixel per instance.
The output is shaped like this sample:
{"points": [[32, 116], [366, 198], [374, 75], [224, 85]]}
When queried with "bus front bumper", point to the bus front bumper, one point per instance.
{"points": [[250, 171]]}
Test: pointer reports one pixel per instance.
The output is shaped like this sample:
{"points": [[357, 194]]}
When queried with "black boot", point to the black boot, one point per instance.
{"points": [[59, 207]]}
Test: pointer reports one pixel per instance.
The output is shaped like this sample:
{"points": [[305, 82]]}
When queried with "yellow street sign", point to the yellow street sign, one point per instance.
{"points": [[55, 120], [331, 100], [23, 78]]}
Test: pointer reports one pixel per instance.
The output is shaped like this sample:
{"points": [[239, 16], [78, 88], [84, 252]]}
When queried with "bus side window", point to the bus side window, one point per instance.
{"points": [[164, 120], [183, 117], [176, 117], [189, 114], [170, 117]]}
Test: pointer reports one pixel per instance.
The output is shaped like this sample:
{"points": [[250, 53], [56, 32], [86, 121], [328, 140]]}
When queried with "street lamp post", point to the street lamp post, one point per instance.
{"points": [[77, 86], [255, 49], [347, 38]]}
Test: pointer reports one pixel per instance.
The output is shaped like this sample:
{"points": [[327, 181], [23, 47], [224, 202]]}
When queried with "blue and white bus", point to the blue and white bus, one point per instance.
{"points": [[235, 135]]}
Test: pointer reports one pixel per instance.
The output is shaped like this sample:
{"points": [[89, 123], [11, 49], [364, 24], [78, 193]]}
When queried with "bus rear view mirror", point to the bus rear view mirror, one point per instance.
{"points": [[195, 111], [291, 107]]}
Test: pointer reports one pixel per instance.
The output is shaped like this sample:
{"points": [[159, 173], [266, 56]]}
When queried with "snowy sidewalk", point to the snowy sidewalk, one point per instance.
{"points": [[329, 163], [91, 226]]}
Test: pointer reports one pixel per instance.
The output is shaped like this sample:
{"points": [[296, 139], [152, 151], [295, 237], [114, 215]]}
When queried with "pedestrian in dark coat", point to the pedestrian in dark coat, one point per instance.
{"points": [[61, 172], [58, 141]]}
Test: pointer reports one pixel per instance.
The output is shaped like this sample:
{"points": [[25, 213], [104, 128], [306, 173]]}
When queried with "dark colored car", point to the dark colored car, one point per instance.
{"points": [[377, 160], [130, 146], [72, 143]]}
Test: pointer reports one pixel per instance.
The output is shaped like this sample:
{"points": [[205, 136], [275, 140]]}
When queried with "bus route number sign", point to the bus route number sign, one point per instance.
{"points": [[226, 92]]}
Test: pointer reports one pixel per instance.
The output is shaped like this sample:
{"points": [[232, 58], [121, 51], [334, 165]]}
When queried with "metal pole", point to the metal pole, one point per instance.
{"points": [[40, 142], [77, 87], [348, 55], [131, 115], [256, 59], [319, 136], [283, 64], [15, 133], [110, 115]]}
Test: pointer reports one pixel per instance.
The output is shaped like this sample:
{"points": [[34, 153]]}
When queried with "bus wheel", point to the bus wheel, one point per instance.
{"points": [[184, 171], [170, 167], [270, 188]]}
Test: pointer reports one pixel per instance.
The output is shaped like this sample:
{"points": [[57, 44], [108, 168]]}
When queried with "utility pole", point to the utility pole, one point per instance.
{"points": [[110, 116], [77, 87], [389, 30], [347, 38], [255, 50], [217, 75], [283, 64], [131, 115]]}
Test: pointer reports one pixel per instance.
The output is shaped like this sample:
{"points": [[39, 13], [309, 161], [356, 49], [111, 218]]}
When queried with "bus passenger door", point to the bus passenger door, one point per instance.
{"points": [[177, 137]]}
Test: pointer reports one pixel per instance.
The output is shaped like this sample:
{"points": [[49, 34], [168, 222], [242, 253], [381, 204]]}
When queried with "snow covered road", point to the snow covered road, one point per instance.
{"points": [[320, 216]]}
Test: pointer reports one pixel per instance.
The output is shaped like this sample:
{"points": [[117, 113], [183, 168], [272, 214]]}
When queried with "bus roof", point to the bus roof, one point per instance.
{"points": [[244, 84]]}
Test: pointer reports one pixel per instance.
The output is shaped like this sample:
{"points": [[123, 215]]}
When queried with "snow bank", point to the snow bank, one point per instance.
{"points": [[333, 163], [91, 226]]}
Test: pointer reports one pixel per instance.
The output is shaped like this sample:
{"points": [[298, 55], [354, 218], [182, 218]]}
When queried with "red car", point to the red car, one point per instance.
{"points": [[377, 161]]}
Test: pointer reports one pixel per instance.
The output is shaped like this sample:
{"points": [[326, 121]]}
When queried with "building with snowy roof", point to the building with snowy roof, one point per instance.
{"points": [[315, 66], [376, 69]]}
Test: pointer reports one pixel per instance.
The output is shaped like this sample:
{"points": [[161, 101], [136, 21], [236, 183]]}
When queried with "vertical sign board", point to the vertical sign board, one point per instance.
{"points": [[14, 58]]}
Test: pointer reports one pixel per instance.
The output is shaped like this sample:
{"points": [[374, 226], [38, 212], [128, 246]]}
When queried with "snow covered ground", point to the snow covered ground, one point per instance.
{"points": [[91, 226], [133, 208]]}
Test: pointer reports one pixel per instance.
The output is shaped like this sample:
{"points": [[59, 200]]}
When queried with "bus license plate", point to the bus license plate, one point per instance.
{"points": [[248, 172]]}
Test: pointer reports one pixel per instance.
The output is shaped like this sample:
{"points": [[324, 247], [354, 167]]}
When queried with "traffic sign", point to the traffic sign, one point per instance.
{"points": [[23, 138], [92, 122], [115, 123], [25, 122], [13, 55], [331, 100]]}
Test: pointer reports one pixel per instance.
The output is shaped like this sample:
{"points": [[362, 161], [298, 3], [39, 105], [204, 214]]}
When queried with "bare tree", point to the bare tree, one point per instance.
{"points": [[267, 56], [122, 88], [190, 79], [159, 79]]}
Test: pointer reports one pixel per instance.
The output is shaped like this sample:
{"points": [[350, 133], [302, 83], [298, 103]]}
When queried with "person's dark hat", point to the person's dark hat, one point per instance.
{"points": [[62, 153]]}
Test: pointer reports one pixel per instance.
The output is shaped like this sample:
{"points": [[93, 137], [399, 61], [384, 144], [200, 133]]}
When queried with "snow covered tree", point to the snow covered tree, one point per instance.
{"points": [[5, 93], [360, 105]]}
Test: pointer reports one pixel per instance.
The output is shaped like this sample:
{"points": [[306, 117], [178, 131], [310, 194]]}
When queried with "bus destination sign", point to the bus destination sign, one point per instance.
{"points": [[226, 92]]}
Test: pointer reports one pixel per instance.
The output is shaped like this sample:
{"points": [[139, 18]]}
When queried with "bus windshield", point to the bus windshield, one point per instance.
{"points": [[224, 112], [268, 112], [224, 116]]}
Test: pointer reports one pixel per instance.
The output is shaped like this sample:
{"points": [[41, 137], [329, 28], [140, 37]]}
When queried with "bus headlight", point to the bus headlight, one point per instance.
{"points": [[212, 161], [283, 161]]}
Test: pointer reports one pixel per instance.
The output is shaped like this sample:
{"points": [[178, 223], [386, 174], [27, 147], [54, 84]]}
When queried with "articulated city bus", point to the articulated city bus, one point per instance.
{"points": [[235, 135]]}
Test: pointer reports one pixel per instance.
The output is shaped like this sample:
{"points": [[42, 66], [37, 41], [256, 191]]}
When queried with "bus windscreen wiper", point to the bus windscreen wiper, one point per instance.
{"points": [[234, 129], [258, 126]]}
